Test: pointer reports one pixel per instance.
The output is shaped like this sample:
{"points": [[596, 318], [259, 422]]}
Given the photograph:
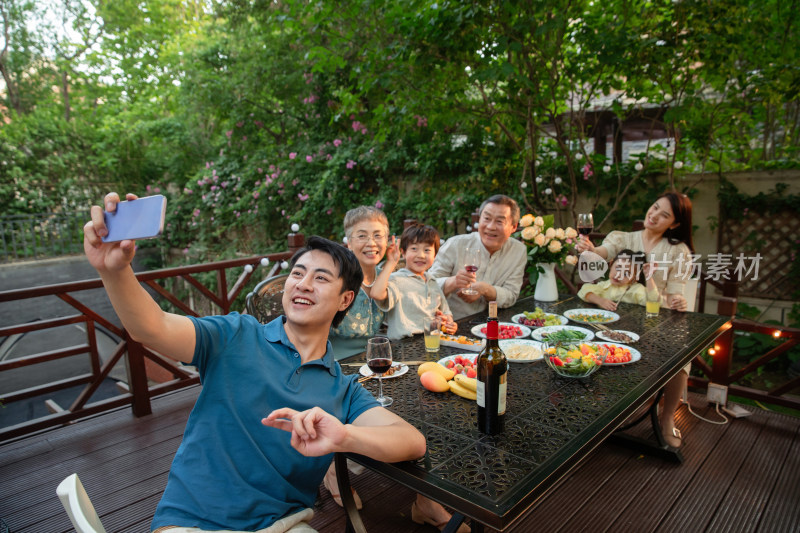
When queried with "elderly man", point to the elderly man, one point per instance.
{"points": [[502, 261]]}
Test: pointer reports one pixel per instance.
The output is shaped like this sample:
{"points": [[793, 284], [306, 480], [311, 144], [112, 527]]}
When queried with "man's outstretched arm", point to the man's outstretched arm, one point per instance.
{"points": [[169, 334], [376, 433]]}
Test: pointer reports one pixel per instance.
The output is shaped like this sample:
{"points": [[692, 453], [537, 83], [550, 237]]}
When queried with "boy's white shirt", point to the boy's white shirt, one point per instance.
{"points": [[411, 300]]}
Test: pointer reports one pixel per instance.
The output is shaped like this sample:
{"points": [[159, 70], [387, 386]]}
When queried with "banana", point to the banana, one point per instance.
{"points": [[464, 392], [468, 383]]}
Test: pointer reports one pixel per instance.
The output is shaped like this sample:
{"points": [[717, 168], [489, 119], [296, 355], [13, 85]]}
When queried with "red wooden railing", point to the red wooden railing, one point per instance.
{"points": [[141, 362]]}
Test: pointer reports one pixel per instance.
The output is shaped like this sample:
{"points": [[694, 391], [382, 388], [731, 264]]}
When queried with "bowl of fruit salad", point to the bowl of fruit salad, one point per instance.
{"points": [[574, 359]]}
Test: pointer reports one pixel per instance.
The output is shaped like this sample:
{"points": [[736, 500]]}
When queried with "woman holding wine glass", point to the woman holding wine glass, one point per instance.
{"points": [[667, 242]]}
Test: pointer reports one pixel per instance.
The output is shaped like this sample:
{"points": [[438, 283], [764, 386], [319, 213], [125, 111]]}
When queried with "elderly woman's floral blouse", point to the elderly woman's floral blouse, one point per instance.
{"points": [[362, 321]]}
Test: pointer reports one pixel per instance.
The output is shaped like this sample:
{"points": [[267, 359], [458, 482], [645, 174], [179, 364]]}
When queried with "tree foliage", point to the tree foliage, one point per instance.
{"points": [[251, 114]]}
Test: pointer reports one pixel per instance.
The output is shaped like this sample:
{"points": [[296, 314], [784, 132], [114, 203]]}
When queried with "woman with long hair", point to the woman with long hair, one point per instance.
{"points": [[666, 241]]}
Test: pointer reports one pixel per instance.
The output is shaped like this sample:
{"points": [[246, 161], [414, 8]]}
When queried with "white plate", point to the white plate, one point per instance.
{"points": [[537, 333], [635, 355], [634, 337], [608, 315], [471, 347], [403, 368], [471, 356], [516, 319], [507, 344], [476, 330]]}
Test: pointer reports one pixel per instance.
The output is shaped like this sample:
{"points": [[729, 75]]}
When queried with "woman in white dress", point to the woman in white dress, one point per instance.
{"points": [[666, 241]]}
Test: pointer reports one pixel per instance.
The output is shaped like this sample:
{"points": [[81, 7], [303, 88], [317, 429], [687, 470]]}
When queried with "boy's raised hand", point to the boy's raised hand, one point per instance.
{"points": [[106, 256], [392, 252]]}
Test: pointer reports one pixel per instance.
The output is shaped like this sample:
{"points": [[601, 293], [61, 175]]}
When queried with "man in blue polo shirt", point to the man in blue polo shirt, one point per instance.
{"points": [[237, 469]]}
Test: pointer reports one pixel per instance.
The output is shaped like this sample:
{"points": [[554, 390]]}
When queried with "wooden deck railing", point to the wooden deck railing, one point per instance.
{"points": [[141, 362]]}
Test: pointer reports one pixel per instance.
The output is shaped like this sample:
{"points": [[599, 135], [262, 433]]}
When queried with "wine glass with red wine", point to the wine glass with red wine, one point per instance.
{"points": [[472, 260], [585, 224], [379, 360]]}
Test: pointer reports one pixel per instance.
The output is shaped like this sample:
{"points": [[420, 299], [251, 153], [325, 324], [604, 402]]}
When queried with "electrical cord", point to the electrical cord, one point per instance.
{"points": [[719, 423]]}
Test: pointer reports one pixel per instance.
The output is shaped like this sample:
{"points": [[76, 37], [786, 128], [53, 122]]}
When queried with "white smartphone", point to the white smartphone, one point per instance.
{"points": [[142, 218]]}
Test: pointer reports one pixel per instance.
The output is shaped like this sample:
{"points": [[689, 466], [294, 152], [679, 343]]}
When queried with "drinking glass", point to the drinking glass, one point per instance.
{"points": [[379, 360], [472, 260], [585, 224], [653, 304], [433, 334]]}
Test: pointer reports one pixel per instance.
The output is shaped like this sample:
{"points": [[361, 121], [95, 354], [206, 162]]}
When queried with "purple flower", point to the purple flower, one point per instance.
{"points": [[379, 204], [350, 164], [239, 124], [292, 155], [309, 158], [303, 197], [256, 194], [185, 251], [228, 133], [337, 142], [329, 211], [357, 125], [295, 181]]}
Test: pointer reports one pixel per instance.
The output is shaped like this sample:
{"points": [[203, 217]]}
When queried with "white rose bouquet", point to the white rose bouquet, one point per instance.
{"points": [[548, 244]]}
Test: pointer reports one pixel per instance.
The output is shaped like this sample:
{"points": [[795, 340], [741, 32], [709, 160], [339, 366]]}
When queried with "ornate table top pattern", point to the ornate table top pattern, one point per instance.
{"points": [[549, 420]]}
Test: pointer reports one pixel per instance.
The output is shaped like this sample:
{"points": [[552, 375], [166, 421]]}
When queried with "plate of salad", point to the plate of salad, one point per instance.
{"points": [[562, 334]]}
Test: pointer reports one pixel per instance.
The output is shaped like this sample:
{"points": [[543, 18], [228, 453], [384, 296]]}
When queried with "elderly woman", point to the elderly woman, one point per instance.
{"points": [[367, 232], [666, 240]]}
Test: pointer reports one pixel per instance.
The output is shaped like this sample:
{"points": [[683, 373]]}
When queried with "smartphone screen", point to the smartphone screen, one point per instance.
{"points": [[142, 218]]}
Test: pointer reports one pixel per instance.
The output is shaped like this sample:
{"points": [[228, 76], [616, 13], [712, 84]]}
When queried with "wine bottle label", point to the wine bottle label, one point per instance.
{"points": [[501, 401], [501, 394]]}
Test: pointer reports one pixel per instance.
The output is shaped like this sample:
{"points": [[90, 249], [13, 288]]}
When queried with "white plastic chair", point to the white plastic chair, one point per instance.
{"points": [[78, 506]]}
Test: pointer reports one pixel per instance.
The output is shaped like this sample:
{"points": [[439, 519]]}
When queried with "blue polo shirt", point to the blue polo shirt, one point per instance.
{"points": [[230, 471]]}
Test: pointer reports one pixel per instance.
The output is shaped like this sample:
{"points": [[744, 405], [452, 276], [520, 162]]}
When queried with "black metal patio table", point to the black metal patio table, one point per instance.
{"points": [[551, 422]]}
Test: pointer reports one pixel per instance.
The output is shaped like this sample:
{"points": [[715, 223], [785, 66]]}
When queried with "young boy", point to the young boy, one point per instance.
{"points": [[410, 297], [621, 283]]}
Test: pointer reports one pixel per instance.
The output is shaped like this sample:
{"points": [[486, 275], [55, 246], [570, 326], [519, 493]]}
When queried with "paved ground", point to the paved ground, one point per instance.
{"points": [[49, 272]]}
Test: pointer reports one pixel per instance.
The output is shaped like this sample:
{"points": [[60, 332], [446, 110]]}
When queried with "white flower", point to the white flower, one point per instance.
{"points": [[678, 164], [570, 233], [530, 232], [550, 233], [539, 221], [578, 156], [295, 228], [539, 240], [548, 191], [524, 185], [538, 179], [560, 234], [638, 166], [558, 181], [554, 246], [606, 168], [526, 221], [571, 259], [661, 42]]}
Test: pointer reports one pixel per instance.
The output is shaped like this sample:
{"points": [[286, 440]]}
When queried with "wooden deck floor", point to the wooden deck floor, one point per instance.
{"points": [[738, 477]]}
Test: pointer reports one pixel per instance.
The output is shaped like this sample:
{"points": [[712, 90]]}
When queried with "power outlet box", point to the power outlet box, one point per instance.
{"points": [[717, 394]]}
